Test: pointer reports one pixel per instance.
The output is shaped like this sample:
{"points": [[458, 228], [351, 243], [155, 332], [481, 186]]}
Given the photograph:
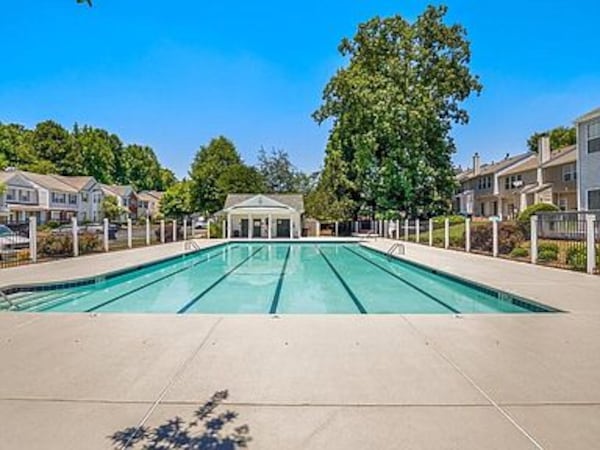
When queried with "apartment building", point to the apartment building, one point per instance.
{"points": [[588, 160], [149, 203], [126, 199]]}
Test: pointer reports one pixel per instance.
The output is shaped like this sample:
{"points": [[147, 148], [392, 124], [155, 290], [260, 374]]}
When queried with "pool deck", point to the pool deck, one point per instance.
{"points": [[521, 381]]}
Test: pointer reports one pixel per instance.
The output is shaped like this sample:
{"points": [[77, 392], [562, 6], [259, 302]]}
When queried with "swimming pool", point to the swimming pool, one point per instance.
{"points": [[277, 278]]}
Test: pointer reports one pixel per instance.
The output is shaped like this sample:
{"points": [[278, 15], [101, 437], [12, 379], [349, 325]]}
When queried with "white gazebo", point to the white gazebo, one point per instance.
{"points": [[263, 216]]}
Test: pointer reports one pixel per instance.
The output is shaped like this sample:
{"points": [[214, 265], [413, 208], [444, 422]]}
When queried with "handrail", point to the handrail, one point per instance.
{"points": [[191, 245], [394, 247], [8, 300]]}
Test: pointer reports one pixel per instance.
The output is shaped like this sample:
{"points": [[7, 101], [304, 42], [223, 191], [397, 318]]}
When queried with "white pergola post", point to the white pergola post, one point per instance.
{"points": [[223, 228], [129, 234], [533, 240], [250, 227], [269, 230], [291, 228], [590, 220], [162, 231], [208, 229], [148, 236], [106, 234], [467, 235], [446, 233], [174, 231], [75, 234], [418, 230], [229, 226], [33, 238]]}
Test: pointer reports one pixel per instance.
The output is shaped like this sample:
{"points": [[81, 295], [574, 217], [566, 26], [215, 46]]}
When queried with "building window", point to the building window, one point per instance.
{"points": [[569, 173], [510, 182], [594, 199], [84, 197], [593, 138], [563, 204], [10, 195], [72, 199], [59, 198], [482, 209]]}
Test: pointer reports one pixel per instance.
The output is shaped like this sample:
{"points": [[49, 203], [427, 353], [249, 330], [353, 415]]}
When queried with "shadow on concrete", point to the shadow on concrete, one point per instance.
{"points": [[208, 430]]}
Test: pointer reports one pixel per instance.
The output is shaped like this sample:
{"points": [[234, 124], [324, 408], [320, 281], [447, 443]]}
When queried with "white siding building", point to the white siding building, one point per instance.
{"points": [[588, 160]]}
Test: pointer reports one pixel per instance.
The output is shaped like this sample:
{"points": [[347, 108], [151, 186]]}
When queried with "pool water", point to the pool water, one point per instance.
{"points": [[279, 278]]}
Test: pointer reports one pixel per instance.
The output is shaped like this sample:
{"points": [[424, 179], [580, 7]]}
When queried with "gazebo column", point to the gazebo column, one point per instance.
{"points": [[229, 225], [270, 224], [250, 226], [291, 227]]}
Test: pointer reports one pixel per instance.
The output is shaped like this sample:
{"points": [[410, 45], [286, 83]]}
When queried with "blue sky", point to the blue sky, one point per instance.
{"points": [[174, 74]]}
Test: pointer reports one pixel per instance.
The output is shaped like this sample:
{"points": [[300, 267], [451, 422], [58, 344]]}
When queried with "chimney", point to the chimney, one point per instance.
{"points": [[544, 149], [476, 164]]}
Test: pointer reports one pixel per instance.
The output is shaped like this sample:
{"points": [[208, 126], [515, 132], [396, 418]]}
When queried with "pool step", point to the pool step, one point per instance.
{"points": [[25, 301]]}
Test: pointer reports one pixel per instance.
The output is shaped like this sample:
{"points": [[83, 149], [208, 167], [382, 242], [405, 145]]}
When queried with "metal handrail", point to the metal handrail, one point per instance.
{"points": [[191, 245], [396, 246], [8, 300]]}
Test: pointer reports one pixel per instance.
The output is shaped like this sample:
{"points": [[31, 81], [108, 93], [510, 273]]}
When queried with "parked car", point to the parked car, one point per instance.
{"points": [[11, 242]]}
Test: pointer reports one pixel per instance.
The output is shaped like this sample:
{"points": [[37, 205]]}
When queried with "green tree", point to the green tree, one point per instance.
{"points": [[176, 202], [393, 107], [52, 142], [96, 152], [140, 168], [241, 179], [209, 164], [167, 179], [111, 208], [280, 175], [15, 145], [559, 137]]}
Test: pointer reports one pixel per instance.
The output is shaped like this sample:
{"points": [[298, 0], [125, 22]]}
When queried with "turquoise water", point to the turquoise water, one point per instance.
{"points": [[277, 278]]}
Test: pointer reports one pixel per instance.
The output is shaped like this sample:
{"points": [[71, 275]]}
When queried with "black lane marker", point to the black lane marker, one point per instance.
{"points": [[133, 291], [354, 298], [389, 272], [273, 309], [212, 286]]}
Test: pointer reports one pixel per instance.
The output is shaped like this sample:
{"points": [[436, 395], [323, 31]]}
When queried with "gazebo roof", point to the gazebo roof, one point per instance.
{"points": [[264, 201]]}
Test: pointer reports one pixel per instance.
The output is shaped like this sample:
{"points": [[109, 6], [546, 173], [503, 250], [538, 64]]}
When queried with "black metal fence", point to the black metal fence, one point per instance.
{"points": [[14, 244]]}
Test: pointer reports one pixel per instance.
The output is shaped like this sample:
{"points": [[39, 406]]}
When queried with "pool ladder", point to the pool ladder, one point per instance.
{"points": [[191, 245], [397, 246]]}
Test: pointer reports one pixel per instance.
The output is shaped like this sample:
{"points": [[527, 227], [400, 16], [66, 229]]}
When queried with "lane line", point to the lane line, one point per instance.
{"points": [[275, 302], [144, 286], [353, 296], [415, 287], [191, 303]]}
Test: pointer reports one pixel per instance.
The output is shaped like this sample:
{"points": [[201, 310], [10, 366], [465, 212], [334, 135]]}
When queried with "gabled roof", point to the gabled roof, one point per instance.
{"points": [[525, 166], [490, 169], [120, 190], [566, 155], [150, 195], [294, 201], [78, 183], [49, 182], [589, 116]]}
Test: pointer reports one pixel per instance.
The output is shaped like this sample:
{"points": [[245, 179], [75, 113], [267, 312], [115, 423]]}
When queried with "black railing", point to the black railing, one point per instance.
{"points": [[14, 244]]}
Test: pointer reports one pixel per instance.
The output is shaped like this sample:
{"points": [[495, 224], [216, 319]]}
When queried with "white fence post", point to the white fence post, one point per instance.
{"points": [[129, 234], [337, 228], [208, 229], [534, 239], [467, 235], [185, 229], [148, 231], [75, 234], [318, 229], [224, 226], [446, 233], [174, 231], [590, 220], [105, 234], [495, 238], [162, 231], [33, 238], [397, 229], [418, 230], [431, 232], [406, 230]]}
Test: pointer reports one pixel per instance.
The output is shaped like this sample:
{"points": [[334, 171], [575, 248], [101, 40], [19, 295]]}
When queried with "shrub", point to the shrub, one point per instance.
{"points": [[547, 255], [519, 252], [216, 230], [524, 218], [548, 246], [56, 245], [509, 237], [454, 220], [89, 242], [577, 258]]}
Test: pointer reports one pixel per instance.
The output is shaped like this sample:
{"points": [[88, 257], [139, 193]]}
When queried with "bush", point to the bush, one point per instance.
{"points": [[89, 242], [56, 245], [548, 246], [454, 220], [577, 258], [524, 218], [547, 255], [519, 252], [216, 230], [509, 237]]}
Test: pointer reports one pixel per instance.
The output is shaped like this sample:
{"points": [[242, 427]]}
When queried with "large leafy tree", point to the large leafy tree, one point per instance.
{"points": [[140, 167], [241, 179], [16, 145], [392, 108], [53, 143], [176, 202], [280, 175], [209, 164], [559, 137], [96, 152]]}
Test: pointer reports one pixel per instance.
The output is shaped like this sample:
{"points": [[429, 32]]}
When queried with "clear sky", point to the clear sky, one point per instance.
{"points": [[174, 74]]}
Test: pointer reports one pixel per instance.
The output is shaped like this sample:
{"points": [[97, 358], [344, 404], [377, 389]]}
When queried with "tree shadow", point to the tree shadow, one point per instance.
{"points": [[208, 430]]}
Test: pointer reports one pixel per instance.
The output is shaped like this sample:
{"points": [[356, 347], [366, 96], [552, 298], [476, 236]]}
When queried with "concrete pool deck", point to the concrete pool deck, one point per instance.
{"points": [[377, 381]]}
